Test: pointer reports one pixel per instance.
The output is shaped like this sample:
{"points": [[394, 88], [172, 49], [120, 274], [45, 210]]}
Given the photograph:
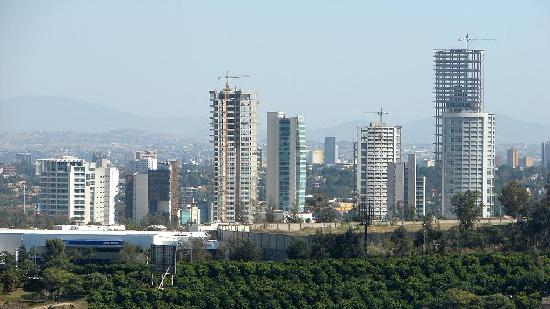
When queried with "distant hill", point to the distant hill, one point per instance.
{"points": [[45, 113], [509, 130]]}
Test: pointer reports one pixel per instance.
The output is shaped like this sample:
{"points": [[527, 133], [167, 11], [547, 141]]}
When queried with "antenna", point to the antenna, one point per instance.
{"points": [[380, 113], [227, 76], [468, 39]]}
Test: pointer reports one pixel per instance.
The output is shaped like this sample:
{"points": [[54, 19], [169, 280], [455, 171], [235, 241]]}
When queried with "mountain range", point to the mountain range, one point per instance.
{"points": [[48, 113]]}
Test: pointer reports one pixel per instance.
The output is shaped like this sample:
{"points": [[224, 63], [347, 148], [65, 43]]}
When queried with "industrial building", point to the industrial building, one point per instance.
{"points": [[465, 135], [233, 126], [377, 146], [286, 170], [106, 241]]}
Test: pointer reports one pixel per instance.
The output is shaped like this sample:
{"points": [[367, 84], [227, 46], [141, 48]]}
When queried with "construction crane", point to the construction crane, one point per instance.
{"points": [[227, 76], [380, 113], [468, 39]]}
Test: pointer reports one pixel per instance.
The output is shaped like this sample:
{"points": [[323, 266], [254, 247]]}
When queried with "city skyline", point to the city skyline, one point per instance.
{"points": [[146, 46]]}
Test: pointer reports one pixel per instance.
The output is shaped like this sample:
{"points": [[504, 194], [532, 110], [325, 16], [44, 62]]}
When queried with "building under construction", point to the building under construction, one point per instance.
{"points": [[465, 135], [377, 146], [233, 125]]}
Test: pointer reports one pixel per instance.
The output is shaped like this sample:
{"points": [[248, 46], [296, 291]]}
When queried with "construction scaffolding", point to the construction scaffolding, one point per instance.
{"points": [[233, 124], [458, 87]]}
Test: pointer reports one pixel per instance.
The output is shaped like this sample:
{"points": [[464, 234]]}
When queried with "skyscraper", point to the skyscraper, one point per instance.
{"points": [[144, 161], [78, 190], [331, 150], [377, 146], [465, 135], [153, 193], [63, 189], [103, 189], [286, 169], [233, 125], [512, 155], [406, 190], [545, 155]]}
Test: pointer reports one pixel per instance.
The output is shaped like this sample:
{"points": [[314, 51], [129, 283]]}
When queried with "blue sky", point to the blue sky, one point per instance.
{"points": [[326, 60]]}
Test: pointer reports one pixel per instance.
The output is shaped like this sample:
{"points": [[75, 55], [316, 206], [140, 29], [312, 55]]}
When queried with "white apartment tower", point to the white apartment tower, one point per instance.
{"points": [[465, 135], [233, 125], [377, 146], [74, 189], [286, 168], [63, 189], [103, 182]]}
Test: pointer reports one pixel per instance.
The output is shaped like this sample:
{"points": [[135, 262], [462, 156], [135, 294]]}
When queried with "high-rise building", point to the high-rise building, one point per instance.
{"points": [[512, 156], [78, 190], [527, 161], [103, 183], [153, 193], [331, 150], [233, 125], [24, 158], [317, 156], [63, 189], [545, 155], [465, 135], [144, 161], [406, 190], [286, 170], [377, 146]]}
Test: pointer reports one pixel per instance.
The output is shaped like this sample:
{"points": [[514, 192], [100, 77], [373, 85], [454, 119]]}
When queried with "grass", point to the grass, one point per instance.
{"points": [[16, 298]]}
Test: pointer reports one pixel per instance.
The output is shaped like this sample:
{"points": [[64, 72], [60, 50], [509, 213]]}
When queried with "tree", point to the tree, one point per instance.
{"points": [[55, 279], [195, 250], [401, 245], [270, 214], [10, 280], [467, 209], [455, 298], [294, 214], [297, 248], [131, 254], [244, 249], [428, 237], [516, 200], [239, 212], [55, 248], [322, 211]]}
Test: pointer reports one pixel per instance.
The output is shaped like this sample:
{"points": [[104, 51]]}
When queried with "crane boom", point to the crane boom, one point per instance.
{"points": [[468, 39], [227, 76], [380, 113]]}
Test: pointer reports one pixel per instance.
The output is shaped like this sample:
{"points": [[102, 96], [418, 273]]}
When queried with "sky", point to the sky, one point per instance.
{"points": [[329, 61]]}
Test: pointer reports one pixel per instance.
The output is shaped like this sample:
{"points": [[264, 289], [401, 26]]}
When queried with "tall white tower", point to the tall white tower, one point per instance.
{"points": [[465, 135], [377, 146], [233, 125]]}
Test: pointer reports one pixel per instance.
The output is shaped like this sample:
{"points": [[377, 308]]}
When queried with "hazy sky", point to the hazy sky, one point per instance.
{"points": [[326, 60]]}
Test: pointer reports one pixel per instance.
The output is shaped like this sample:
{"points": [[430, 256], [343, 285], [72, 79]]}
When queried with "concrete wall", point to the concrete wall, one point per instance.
{"points": [[275, 245]]}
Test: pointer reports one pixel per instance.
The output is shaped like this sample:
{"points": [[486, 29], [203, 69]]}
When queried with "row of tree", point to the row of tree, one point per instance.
{"points": [[434, 281]]}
